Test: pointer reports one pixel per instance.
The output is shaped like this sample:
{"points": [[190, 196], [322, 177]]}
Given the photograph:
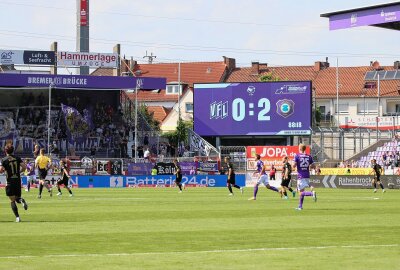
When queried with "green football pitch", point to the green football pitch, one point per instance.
{"points": [[202, 228]]}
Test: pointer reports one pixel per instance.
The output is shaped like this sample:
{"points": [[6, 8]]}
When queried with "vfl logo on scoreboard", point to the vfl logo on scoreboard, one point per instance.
{"points": [[218, 110]]}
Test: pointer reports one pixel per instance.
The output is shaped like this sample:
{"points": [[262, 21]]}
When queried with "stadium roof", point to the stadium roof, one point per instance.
{"points": [[383, 15]]}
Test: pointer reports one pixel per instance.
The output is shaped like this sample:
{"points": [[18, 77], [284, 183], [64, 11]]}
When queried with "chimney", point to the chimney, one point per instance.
{"points": [[230, 63], [317, 66], [124, 66], [255, 68], [396, 65]]}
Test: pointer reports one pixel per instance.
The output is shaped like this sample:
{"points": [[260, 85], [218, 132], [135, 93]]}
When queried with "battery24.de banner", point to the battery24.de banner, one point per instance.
{"points": [[267, 108]]}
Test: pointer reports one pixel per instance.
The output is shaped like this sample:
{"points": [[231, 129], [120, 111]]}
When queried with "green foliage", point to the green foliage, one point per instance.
{"points": [[269, 77], [180, 134], [318, 115], [155, 125]]}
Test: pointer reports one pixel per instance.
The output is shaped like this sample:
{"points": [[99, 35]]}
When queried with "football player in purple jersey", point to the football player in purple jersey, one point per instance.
{"points": [[262, 178], [303, 163]]}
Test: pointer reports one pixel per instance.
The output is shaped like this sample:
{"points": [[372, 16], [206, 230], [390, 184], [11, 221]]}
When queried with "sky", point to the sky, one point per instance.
{"points": [[280, 33]]}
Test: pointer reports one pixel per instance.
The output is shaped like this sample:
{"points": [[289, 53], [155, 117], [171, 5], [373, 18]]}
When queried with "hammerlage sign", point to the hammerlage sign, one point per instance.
{"points": [[85, 59]]}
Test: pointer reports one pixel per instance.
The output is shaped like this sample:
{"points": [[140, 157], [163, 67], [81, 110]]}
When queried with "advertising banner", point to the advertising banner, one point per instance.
{"points": [[20, 57], [139, 168], [102, 166], [84, 13], [119, 181], [271, 155], [165, 168], [371, 16], [85, 59], [347, 171], [116, 167], [382, 123], [81, 82], [268, 108], [208, 166]]}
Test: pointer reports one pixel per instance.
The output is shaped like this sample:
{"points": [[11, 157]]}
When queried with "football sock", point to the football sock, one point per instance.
{"points": [[290, 189], [59, 190], [230, 188], [18, 200], [14, 209], [40, 188], [381, 186], [236, 186], [28, 186], [180, 187], [70, 191], [255, 191], [285, 193], [301, 200], [374, 185], [307, 193]]}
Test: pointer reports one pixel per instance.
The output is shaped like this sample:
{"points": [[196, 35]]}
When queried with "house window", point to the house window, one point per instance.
{"points": [[173, 89], [367, 108], [343, 108], [189, 107]]}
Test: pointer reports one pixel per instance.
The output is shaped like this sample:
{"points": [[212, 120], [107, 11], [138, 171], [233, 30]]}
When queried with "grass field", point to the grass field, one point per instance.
{"points": [[202, 228]]}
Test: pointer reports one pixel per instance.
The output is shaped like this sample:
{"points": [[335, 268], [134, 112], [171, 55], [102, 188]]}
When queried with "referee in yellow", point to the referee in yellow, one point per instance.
{"points": [[43, 163]]}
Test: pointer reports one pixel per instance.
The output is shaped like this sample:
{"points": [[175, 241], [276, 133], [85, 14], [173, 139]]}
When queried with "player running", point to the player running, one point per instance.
{"points": [[303, 163], [286, 177], [231, 181], [262, 178], [12, 165], [178, 175], [43, 163], [377, 170], [64, 179], [30, 174]]}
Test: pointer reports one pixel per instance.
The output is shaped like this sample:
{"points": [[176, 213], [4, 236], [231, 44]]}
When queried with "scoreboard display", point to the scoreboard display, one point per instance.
{"points": [[255, 108]]}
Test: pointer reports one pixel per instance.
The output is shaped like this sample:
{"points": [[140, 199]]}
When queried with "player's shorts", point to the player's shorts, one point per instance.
{"points": [[178, 179], [263, 180], [42, 174], [303, 183], [63, 182], [285, 182], [272, 177], [232, 180], [13, 187], [377, 178], [31, 178]]}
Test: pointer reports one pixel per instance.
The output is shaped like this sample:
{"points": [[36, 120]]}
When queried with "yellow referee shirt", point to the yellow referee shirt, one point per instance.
{"points": [[42, 162]]}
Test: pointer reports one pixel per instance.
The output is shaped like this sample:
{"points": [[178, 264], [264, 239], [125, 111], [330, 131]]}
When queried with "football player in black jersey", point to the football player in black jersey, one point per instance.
{"points": [[64, 179], [13, 166]]}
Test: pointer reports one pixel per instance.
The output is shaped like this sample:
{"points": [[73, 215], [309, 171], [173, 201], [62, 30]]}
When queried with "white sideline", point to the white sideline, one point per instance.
{"points": [[191, 252]]}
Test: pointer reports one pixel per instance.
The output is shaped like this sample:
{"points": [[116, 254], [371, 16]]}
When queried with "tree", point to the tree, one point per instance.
{"points": [[180, 134], [154, 124], [269, 77]]}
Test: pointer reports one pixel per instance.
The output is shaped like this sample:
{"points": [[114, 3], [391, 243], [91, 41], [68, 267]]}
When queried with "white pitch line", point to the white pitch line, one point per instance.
{"points": [[191, 252]]}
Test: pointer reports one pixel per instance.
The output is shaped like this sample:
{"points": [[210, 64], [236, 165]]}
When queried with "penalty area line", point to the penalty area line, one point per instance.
{"points": [[193, 252]]}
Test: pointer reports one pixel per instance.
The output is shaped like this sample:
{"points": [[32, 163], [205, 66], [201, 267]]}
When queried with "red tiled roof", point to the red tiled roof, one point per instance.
{"points": [[196, 72], [153, 96], [159, 112], [351, 79]]}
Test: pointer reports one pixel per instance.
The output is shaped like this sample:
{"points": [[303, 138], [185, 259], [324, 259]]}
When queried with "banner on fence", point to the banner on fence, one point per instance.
{"points": [[77, 126], [271, 155], [208, 166], [102, 166], [346, 171], [139, 168]]}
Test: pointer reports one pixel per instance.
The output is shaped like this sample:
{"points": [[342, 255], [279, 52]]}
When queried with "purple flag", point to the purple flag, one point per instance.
{"points": [[78, 126]]}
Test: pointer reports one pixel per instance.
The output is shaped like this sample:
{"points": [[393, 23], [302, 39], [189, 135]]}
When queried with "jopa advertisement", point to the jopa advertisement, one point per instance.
{"points": [[19, 57], [257, 108], [271, 155]]}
